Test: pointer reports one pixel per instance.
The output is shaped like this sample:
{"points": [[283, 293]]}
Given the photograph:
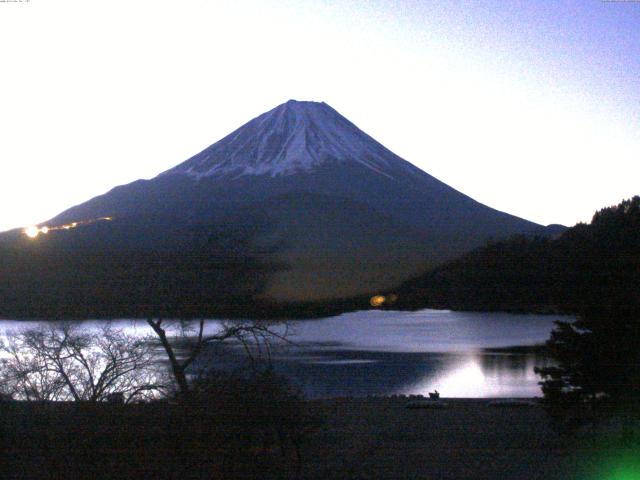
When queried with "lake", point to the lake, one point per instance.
{"points": [[461, 354]]}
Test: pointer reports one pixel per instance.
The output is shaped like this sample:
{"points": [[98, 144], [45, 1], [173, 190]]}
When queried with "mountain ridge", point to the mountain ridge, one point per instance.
{"points": [[309, 171], [294, 137]]}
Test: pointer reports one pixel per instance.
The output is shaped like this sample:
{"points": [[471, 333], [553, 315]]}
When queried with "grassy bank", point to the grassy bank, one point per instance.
{"points": [[339, 438], [154, 441]]}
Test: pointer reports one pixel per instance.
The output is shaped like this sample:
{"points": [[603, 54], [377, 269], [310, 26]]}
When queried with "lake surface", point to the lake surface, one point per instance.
{"points": [[384, 353], [460, 354]]}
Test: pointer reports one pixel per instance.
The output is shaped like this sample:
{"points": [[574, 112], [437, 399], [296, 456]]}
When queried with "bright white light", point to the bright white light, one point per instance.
{"points": [[31, 232], [466, 380]]}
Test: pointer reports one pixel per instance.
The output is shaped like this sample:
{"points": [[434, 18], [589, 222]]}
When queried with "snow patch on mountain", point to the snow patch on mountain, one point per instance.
{"points": [[295, 137]]}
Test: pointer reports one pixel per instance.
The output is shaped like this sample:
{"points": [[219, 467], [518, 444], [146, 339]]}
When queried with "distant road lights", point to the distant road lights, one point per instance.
{"points": [[32, 232], [377, 300]]}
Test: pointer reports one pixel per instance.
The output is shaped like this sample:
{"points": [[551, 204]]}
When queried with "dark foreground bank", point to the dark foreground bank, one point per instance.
{"points": [[338, 438]]}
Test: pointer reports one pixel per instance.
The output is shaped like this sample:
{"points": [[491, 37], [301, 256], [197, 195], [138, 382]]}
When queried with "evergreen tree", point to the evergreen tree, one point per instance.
{"points": [[597, 369]]}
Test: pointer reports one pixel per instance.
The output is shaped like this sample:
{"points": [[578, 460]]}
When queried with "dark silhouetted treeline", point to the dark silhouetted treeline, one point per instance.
{"points": [[587, 267], [597, 369], [101, 271], [141, 268]]}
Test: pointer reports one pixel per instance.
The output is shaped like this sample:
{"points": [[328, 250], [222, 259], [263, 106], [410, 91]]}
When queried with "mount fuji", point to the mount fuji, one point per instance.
{"points": [[340, 213]]}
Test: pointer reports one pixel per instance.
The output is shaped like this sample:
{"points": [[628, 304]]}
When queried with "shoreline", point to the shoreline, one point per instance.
{"points": [[470, 438]]}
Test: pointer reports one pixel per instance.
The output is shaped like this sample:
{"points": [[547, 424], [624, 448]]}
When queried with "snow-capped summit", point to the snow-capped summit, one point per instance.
{"points": [[339, 213], [292, 138]]}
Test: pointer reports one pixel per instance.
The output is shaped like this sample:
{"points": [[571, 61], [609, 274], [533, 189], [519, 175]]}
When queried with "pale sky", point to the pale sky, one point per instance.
{"points": [[531, 107]]}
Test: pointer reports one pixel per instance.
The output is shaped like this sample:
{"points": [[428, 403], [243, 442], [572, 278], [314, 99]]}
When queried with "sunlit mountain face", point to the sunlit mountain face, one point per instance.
{"points": [[306, 190]]}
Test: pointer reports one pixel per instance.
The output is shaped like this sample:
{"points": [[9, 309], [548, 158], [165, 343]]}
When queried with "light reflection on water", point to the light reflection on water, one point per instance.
{"points": [[459, 374], [484, 375], [461, 354]]}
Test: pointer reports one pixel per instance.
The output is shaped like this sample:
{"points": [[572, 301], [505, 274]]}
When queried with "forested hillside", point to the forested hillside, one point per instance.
{"points": [[588, 265]]}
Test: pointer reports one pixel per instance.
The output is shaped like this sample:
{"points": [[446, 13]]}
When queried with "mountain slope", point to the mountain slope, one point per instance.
{"points": [[340, 212]]}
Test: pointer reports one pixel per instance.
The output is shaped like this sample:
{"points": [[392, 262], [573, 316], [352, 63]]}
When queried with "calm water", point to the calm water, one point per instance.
{"points": [[383, 353]]}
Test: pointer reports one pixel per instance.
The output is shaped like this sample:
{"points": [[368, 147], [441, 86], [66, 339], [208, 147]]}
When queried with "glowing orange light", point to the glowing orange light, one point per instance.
{"points": [[34, 231], [377, 300]]}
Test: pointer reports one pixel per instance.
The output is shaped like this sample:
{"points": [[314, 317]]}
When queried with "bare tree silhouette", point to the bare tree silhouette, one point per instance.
{"points": [[64, 362]]}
